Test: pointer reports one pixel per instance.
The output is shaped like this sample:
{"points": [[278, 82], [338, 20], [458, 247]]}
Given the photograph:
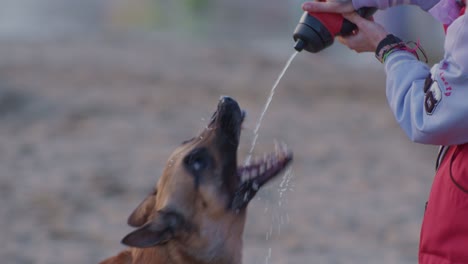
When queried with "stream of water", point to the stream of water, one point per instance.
{"points": [[265, 108], [287, 177]]}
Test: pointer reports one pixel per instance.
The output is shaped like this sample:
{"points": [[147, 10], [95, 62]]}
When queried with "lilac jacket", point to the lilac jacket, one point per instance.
{"points": [[383, 4], [431, 111]]}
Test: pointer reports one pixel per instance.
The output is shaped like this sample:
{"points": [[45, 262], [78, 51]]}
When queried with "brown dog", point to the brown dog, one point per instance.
{"points": [[197, 214]]}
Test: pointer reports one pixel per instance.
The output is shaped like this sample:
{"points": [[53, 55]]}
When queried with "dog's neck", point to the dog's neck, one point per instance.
{"points": [[210, 242], [172, 254]]}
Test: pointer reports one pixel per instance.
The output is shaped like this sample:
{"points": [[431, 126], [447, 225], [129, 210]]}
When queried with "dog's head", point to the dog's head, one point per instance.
{"points": [[200, 200]]}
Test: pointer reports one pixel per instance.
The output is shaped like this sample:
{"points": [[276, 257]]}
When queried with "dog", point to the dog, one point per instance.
{"points": [[196, 214]]}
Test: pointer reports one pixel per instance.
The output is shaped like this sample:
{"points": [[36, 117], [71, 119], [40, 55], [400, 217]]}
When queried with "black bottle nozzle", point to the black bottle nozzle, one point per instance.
{"points": [[300, 44]]}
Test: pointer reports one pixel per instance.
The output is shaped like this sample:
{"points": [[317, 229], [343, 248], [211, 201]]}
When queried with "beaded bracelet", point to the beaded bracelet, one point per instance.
{"points": [[392, 43]]}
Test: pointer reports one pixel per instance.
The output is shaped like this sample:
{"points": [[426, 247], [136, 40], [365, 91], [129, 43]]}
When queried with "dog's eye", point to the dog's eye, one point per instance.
{"points": [[198, 164], [198, 160]]}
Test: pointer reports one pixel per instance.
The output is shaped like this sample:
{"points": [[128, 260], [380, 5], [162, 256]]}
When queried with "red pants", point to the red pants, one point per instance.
{"points": [[444, 233]]}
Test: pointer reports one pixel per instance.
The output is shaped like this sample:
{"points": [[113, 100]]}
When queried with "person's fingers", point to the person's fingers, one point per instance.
{"points": [[347, 42], [350, 41], [356, 42], [328, 7], [356, 19], [342, 40]]}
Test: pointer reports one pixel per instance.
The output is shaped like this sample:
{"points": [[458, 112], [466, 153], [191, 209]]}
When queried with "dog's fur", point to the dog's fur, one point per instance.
{"points": [[198, 212]]}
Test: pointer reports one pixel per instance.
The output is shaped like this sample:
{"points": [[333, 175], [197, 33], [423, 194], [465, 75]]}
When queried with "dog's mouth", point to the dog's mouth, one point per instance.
{"points": [[248, 179], [254, 176]]}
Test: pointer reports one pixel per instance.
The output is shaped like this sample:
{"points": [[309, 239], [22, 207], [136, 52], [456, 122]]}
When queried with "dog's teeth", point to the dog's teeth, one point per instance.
{"points": [[245, 175], [262, 168], [273, 161], [277, 147], [255, 186], [254, 161], [284, 148]]}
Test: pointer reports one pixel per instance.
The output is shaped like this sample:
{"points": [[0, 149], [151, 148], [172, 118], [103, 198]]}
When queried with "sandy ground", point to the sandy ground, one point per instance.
{"points": [[87, 124]]}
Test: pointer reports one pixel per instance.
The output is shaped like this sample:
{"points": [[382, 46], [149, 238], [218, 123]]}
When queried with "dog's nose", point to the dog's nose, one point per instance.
{"points": [[226, 100], [228, 105]]}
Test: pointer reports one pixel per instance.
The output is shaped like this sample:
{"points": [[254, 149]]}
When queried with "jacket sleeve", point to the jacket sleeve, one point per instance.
{"points": [[432, 105], [383, 4]]}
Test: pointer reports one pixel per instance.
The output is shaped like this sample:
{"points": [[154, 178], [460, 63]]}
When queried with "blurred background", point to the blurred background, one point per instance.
{"points": [[94, 96]]}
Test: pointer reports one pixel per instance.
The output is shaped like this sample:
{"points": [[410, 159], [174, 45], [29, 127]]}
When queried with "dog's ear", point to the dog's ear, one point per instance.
{"points": [[159, 230], [141, 214]]}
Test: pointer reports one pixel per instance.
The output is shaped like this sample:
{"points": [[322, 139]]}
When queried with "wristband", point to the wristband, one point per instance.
{"points": [[388, 45]]}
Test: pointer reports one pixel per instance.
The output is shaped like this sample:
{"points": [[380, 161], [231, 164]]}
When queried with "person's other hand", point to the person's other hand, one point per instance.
{"points": [[366, 37], [328, 7]]}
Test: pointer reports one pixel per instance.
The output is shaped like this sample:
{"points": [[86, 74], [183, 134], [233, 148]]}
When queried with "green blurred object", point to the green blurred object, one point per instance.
{"points": [[186, 15], [197, 6]]}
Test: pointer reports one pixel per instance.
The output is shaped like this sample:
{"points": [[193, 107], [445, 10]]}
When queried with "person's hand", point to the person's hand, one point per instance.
{"points": [[328, 7], [366, 37]]}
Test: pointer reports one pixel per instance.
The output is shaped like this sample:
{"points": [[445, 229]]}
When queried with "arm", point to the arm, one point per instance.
{"points": [[436, 114], [346, 6], [439, 115], [383, 4]]}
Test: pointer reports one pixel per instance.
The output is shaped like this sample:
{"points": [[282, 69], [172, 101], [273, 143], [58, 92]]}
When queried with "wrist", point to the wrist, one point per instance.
{"points": [[387, 45], [391, 44], [380, 36]]}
